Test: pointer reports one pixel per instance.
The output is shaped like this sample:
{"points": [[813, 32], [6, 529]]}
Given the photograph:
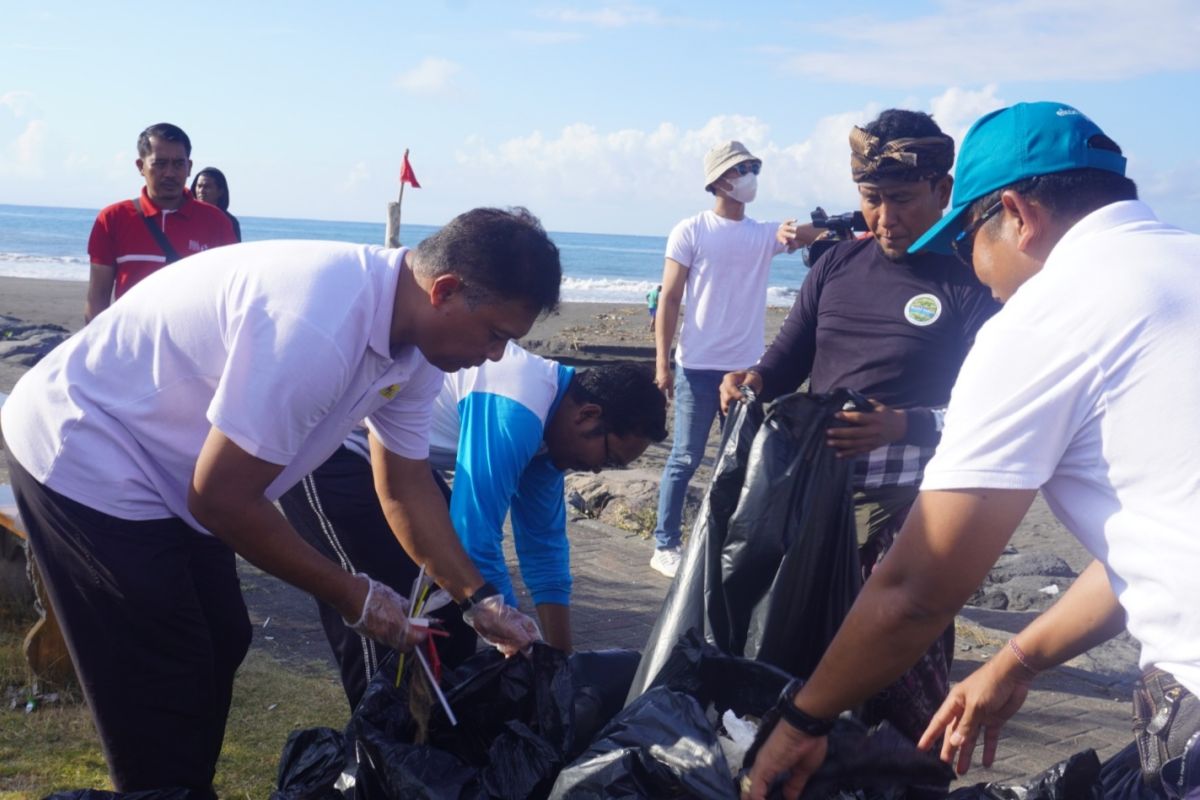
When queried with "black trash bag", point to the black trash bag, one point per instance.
{"points": [[660, 746], [519, 721], [634, 756], [875, 763], [148, 794], [311, 763], [1075, 778], [772, 564]]}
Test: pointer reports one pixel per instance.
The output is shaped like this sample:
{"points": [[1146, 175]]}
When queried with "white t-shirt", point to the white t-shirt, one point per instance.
{"points": [[1087, 386], [283, 346], [726, 295]]}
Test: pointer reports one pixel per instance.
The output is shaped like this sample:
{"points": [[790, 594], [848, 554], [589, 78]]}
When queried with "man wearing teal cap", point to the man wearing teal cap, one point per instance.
{"points": [[1098, 340]]}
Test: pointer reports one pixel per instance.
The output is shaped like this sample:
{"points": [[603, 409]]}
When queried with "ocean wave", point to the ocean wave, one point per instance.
{"points": [[617, 290], [30, 265]]}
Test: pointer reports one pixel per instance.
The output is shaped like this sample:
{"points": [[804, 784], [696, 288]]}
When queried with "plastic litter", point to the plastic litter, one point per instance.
{"points": [[738, 736]]}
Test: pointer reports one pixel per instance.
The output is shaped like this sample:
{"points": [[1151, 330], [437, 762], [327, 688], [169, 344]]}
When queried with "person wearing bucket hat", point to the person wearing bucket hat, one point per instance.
{"points": [[1060, 394], [719, 260]]}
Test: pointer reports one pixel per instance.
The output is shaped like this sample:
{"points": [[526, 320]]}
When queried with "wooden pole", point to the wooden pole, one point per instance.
{"points": [[393, 220]]}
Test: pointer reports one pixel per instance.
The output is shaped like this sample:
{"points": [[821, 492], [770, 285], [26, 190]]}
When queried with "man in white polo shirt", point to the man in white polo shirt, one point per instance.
{"points": [[1097, 344], [188, 408]]}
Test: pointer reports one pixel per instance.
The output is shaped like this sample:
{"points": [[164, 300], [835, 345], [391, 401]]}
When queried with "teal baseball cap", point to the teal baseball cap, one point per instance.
{"points": [[1011, 144]]}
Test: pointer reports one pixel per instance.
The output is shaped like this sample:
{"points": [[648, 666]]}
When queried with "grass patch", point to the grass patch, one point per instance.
{"points": [[56, 747]]}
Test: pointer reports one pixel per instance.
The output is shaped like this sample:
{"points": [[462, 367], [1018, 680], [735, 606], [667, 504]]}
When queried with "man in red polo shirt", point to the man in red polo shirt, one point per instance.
{"points": [[133, 238]]}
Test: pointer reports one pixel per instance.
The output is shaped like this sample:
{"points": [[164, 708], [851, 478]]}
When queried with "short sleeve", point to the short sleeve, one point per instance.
{"points": [[100, 242], [282, 376], [402, 425], [681, 247], [1021, 398]]}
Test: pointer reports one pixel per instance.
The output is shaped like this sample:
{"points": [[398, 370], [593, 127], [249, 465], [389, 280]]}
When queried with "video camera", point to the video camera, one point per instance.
{"points": [[839, 228]]}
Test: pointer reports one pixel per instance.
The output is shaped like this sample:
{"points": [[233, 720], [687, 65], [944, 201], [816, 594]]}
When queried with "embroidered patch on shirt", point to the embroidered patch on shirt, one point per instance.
{"points": [[922, 310], [390, 391]]}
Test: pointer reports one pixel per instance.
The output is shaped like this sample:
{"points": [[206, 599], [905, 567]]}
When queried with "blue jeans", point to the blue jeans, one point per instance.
{"points": [[697, 400]]}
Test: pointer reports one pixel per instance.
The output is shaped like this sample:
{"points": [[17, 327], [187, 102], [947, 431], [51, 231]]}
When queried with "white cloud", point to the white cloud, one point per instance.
{"points": [[23, 157], [1022, 40], [18, 102], [432, 76]]}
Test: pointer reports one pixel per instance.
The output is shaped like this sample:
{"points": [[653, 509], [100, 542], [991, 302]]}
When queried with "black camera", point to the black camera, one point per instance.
{"points": [[842, 225], [838, 228]]}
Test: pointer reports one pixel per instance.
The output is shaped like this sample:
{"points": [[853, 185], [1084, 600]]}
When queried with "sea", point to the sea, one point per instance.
{"points": [[51, 243]]}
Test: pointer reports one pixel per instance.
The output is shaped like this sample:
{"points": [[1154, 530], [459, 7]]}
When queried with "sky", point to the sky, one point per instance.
{"points": [[596, 116]]}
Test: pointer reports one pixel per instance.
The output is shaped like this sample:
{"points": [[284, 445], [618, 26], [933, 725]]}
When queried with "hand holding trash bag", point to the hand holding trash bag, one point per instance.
{"points": [[501, 625], [788, 755], [384, 617]]}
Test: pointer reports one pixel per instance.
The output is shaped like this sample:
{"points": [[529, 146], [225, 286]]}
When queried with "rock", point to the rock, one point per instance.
{"points": [[1025, 593], [627, 498], [989, 597], [1020, 565], [24, 344]]}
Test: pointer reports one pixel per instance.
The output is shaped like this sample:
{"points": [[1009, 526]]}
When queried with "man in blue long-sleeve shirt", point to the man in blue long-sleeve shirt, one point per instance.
{"points": [[509, 430]]}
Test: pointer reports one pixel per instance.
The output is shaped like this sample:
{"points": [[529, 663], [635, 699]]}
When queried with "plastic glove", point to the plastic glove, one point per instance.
{"points": [[384, 618], [501, 625]]}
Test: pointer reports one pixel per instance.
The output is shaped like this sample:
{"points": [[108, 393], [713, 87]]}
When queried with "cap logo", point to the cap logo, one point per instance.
{"points": [[923, 310], [1067, 112]]}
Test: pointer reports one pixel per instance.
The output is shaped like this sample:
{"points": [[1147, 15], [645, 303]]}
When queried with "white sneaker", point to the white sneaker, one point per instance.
{"points": [[666, 561]]}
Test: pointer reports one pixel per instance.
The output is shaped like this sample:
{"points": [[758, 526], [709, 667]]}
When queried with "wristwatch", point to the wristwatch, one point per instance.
{"points": [[487, 590], [801, 721]]}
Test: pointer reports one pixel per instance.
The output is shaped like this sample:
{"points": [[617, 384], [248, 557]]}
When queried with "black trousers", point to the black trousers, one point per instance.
{"points": [[154, 620], [337, 511]]}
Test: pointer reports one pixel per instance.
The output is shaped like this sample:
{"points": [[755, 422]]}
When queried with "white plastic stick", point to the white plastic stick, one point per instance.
{"points": [[437, 689]]}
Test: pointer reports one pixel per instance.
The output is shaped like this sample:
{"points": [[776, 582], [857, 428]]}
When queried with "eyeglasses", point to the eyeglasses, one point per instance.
{"points": [[609, 461], [963, 245], [748, 166]]}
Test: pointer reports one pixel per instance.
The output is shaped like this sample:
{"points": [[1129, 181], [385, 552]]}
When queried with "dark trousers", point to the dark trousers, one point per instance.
{"points": [[153, 617], [336, 510]]}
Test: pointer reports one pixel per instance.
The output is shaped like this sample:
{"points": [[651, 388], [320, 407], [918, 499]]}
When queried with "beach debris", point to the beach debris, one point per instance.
{"points": [[735, 737], [1051, 590]]}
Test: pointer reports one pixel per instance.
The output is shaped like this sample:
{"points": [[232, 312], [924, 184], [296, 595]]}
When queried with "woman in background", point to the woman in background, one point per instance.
{"points": [[210, 186]]}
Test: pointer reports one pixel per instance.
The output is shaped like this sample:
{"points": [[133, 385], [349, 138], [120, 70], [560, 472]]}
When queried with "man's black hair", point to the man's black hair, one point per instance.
{"points": [[498, 253], [632, 404], [1069, 195], [900, 123], [218, 176], [164, 131]]}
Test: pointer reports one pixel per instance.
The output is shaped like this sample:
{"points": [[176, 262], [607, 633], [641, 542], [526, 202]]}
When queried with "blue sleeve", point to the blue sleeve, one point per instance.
{"points": [[539, 519], [497, 439]]}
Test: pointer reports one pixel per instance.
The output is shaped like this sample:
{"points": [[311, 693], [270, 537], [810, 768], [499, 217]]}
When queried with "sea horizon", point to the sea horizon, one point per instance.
{"points": [[50, 243]]}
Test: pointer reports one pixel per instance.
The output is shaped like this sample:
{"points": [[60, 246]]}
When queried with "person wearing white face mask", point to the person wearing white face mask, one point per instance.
{"points": [[716, 267]]}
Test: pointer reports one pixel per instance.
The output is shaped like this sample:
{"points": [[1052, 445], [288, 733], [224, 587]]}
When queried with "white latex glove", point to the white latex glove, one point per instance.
{"points": [[501, 625], [384, 618]]}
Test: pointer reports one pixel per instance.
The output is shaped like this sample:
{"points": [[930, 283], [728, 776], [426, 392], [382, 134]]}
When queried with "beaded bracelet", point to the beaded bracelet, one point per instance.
{"points": [[1020, 655]]}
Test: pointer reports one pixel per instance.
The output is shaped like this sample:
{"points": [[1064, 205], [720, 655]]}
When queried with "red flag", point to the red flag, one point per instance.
{"points": [[406, 173]]}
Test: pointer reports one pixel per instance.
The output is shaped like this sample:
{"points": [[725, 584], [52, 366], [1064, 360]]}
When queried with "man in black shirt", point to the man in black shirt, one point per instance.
{"points": [[893, 326]]}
